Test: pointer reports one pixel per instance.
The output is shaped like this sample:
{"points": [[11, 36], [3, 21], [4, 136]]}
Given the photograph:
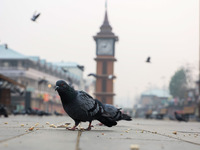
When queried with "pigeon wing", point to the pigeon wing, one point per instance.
{"points": [[85, 94], [111, 109], [36, 16], [87, 103]]}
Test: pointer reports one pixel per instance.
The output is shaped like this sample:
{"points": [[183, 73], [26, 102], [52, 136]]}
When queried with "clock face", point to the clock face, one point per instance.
{"points": [[105, 46]]}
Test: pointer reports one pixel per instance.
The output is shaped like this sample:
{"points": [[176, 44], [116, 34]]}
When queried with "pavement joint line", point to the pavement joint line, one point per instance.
{"points": [[172, 137], [4, 140], [78, 139]]}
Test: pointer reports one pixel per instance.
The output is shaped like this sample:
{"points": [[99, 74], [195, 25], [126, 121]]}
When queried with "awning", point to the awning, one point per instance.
{"points": [[8, 83]]}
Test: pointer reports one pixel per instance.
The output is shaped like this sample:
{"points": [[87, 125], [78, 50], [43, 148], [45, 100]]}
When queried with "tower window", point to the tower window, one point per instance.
{"points": [[104, 67], [103, 85]]}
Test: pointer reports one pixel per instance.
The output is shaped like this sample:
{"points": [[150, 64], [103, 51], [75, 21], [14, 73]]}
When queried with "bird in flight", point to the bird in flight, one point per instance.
{"points": [[35, 16], [80, 67], [148, 59]]}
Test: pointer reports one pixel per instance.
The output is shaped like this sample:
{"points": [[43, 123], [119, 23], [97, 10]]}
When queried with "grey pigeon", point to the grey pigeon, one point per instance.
{"points": [[148, 60], [35, 16], [81, 107], [81, 67], [116, 113]]}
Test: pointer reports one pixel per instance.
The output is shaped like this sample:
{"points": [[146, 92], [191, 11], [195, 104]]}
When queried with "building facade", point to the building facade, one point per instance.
{"points": [[39, 78]]}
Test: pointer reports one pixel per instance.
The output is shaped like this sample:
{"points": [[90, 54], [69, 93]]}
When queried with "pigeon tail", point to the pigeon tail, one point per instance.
{"points": [[104, 117], [126, 117], [107, 121]]}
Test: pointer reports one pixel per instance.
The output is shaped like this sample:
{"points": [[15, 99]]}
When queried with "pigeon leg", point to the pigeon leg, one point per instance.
{"points": [[74, 127], [89, 126]]}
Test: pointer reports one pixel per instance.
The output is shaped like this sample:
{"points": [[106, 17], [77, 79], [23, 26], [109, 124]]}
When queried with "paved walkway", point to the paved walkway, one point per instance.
{"points": [[147, 134]]}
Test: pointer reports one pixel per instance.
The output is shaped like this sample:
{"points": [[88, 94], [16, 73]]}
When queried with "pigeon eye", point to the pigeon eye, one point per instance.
{"points": [[62, 84]]}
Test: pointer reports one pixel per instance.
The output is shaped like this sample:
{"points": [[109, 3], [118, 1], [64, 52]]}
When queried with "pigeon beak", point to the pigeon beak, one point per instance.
{"points": [[56, 88]]}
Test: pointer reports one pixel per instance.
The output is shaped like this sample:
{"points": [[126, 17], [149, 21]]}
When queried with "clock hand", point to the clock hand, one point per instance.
{"points": [[104, 46]]}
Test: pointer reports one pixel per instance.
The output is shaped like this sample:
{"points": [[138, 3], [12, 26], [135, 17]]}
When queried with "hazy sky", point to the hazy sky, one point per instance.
{"points": [[166, 30]]}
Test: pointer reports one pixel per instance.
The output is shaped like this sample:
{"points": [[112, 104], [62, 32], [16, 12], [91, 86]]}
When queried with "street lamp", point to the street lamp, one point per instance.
{"points": [[92, 74], [111, 76]]}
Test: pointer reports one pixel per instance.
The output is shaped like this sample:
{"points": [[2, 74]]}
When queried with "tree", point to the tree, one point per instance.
{"points": [[178, 84]]}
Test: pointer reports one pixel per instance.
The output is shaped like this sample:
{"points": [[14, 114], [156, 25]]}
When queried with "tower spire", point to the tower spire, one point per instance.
{"points": [[106, 29], [106, 5], [106, 16]]}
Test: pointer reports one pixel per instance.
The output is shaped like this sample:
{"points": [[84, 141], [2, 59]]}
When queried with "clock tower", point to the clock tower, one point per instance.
{"points": [[105, 58]]}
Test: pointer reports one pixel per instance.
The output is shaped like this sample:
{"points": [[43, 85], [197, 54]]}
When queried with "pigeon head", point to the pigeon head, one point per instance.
{"points": [[65, 91], [61, 85]]}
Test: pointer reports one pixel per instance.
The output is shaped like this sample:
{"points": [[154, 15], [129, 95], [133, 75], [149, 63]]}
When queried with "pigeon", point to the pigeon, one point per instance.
{"points": [[148, 60], [116, 114], [80, 67], [81, 107], [35, 16], [179, 117]]}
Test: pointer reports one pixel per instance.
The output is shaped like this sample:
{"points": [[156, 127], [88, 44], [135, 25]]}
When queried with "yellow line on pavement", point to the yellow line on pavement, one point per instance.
{"points": [[78, 139]]}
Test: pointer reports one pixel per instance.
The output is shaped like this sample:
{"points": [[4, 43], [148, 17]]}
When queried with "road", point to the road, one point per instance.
{"points": [[147, 134]]}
